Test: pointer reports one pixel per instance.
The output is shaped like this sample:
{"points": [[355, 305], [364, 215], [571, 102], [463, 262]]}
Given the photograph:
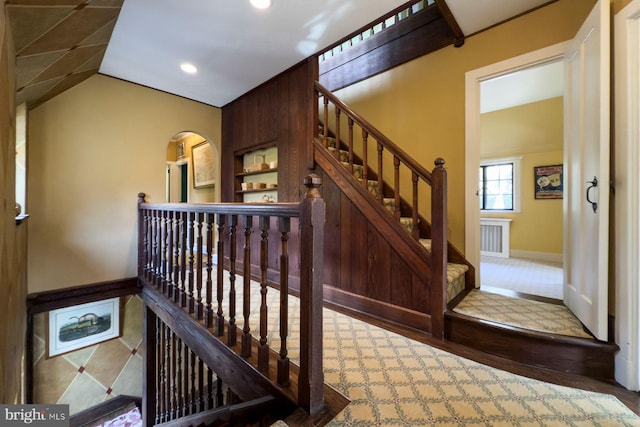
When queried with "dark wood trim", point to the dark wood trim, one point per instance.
{"points": [[418, 35], [354, 303], [562, 353], [458, 35], [66, 297], [104, 409], [240, 376]]}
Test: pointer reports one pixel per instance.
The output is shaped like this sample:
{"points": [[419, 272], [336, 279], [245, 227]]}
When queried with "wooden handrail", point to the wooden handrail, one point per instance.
{"points": [[175, 247], [372, 131], [437, 257]]}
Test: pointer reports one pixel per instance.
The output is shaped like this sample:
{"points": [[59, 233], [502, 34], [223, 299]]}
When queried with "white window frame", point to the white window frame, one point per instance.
{"points": [[517, 189]]}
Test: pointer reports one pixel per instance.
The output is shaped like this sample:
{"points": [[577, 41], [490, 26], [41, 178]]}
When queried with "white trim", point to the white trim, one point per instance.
{"points": [[538, 256], [627, 185], [472, 139]]}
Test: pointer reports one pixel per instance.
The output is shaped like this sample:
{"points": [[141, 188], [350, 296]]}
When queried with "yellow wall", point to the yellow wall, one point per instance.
{"points": [[13, 259], [92, 149], [421, 105], [535, 132]]}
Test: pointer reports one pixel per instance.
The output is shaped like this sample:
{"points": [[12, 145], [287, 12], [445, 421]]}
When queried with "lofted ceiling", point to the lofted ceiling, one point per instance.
{"points": [[60, 43]]}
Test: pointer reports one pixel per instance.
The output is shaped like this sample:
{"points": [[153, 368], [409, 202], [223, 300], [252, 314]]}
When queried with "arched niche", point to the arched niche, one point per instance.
{"points": [[193, 169]]}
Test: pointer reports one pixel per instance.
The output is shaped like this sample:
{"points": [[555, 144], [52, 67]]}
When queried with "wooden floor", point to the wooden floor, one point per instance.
{"points": [[629, 398]]}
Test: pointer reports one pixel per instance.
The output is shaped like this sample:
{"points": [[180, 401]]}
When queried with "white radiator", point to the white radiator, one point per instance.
{"points": [[494, 237]]}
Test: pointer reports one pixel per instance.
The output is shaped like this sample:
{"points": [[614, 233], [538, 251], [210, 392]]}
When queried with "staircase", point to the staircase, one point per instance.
{"points": [[388, 193], [455, 272]]}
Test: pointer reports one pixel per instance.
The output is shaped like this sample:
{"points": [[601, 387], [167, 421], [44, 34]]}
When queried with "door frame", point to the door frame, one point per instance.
{"points": [[473, 79], [626, 233]]}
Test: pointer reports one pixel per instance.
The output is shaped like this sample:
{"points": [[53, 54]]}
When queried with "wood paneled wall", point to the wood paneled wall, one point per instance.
{"points": [[280, 111]]}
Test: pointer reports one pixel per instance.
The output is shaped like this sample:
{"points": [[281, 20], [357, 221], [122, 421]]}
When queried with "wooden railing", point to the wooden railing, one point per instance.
{"points": [[198, 299], [389, 163], [379, 25]]}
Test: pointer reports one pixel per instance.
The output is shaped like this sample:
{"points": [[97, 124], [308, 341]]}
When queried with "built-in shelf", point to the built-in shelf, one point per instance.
{"points": [[246, 161], [257, 172]]}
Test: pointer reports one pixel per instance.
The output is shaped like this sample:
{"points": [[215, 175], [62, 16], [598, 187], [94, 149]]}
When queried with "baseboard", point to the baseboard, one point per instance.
{"points": [[393, 313], [539, 256]]}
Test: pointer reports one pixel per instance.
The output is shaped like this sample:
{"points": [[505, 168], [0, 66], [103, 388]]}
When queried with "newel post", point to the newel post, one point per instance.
{"points": [[141, 237], [312, 220], [439, 240]]}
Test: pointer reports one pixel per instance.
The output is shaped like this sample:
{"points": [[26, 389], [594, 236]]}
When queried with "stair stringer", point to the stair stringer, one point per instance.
{"points": [[416, 257]]}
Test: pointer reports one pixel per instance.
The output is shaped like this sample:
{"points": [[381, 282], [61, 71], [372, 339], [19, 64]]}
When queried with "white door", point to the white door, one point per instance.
{"points": [[586, 174]]}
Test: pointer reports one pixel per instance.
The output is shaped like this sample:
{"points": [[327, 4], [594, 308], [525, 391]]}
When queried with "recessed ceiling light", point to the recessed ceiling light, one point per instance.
{"points": [[188, 68], [261, 4]]}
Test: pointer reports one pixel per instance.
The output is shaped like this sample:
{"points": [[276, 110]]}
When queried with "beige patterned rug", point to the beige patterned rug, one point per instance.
{"points": [[394, 381], [521, 313]]}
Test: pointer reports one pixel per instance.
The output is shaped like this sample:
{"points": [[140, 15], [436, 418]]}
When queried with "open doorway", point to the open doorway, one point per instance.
{"points": [[520, 180], [183, 183], [509, 129]]}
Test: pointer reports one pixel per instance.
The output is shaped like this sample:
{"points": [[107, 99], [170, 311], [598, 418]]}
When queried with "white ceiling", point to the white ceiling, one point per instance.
{"points": [[236, 47], [522, 87]]}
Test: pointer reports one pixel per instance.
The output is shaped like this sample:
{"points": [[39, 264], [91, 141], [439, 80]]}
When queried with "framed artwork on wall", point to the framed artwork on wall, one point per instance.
{"points": [[79, 326], [180, 150], [548, 181], [203, 165]]}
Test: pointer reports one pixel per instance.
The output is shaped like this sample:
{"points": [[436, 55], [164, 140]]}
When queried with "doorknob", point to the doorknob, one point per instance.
{"points": [[594, 184]]}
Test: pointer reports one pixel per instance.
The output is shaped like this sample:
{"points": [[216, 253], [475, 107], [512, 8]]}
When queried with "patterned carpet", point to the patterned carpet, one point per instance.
{"points": [[395, 381], [521, 313]]}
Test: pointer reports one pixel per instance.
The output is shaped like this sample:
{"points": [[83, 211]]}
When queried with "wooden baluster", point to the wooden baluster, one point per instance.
{"points": [[396, 188], [161, 363], [438, 248], [337, 152], [283, 361], [176, 257], [312, 223], [169, 255], [263, 348], [179, 388], [246, 288], [199, 267], [219, 392], [183, 259], [415, 231], [193, 398], [210, 388], [232, 333], [365, 179], [201, 389], [173, 378], [150, 366], [326, 120], [167, 373], [208, 319], [190, 273], [380, 174], [156, 250], [350, 126], [158, 357], [222, 219], [185, 379], [162, 282]]}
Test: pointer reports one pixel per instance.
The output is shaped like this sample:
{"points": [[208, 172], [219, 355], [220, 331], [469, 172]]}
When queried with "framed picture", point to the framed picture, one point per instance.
{"points": [[548, 181], [180, 150], [79, 326], [203, 165]]}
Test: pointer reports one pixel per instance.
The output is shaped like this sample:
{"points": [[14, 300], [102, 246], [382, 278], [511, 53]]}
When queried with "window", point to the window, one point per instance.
{"points": [[499, 185]]}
